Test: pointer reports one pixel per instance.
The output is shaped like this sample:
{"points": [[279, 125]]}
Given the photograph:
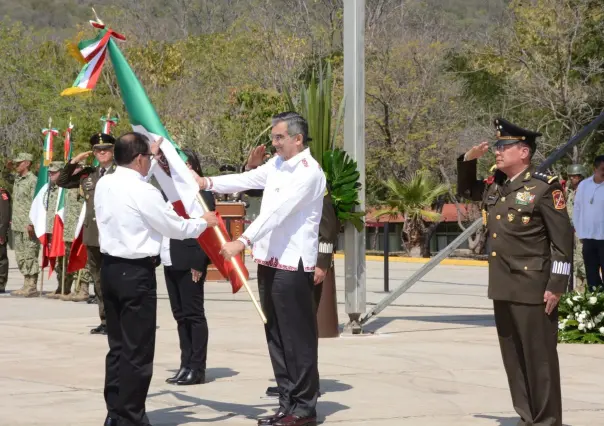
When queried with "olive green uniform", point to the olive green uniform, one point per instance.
{"points": [[530, 251], [86, 181], [26, 248]]}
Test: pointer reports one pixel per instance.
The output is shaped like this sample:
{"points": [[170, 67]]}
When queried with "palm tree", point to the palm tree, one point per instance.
{"points": [[413, 198]]}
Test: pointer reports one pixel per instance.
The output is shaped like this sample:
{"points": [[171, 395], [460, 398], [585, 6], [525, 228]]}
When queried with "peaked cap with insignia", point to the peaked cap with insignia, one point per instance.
{"points": [[508, 133], [102, 140]]}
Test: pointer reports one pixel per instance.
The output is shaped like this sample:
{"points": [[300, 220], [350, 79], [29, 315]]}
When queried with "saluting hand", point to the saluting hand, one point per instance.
{"points": [[211, 218], [256, 157], [477, 151], [80, 157], [551, 301]]}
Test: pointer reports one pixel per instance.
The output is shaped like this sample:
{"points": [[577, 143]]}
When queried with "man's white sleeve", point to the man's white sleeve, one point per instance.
{"points": [[162, 217], [254, 179]]}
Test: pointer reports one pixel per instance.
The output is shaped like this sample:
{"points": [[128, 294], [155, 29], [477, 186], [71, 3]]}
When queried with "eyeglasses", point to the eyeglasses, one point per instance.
{"points": [[501, 148], [151, 156]]}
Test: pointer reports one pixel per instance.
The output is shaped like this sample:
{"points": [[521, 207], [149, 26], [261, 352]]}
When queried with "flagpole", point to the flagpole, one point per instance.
{"points": [[46, 217], [235, 264], [63, 277]]}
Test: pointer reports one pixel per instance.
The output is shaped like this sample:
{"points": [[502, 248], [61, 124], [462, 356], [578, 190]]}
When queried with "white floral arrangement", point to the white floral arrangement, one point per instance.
{"points": [[581, 317]]}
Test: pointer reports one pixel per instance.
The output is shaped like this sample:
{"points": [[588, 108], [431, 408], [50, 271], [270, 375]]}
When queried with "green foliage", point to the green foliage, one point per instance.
{"points": [[343, 179], [413, 198], [580, 317]]}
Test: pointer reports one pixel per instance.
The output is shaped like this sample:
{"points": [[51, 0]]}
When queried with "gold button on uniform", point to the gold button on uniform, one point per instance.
{"points": [[502, 198], [498, 217], [526, 268], [495, 235], [494, 254]]}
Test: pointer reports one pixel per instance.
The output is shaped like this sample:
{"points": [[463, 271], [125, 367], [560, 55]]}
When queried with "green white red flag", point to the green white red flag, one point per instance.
{"points": [[180, 188]]}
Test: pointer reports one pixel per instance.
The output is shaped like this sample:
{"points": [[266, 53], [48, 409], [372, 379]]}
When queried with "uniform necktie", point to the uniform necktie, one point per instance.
{"points": [[102, 172]]}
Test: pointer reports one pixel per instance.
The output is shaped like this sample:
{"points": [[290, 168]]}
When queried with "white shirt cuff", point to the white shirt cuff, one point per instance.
{"points": [[245, 240]]}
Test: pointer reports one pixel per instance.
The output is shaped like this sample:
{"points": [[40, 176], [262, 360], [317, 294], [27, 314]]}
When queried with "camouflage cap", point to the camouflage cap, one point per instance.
{"points": [[55, 166], [577, 169], [23, 156]]}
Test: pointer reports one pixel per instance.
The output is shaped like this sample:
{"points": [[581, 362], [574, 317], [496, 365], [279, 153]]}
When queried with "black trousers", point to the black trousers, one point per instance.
{"points": [[129, 292], [186, 301], [593, 256], [287, 298], [3, 265], [528, 338]]}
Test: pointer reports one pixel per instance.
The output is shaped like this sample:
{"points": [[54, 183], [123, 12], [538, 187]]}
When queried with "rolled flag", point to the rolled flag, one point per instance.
{"points": [[67, 148], [39, 205], [109, 123]]}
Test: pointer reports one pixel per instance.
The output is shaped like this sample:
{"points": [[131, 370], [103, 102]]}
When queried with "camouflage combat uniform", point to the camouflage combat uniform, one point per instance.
{"points": [[27, 248], [578, 264]]}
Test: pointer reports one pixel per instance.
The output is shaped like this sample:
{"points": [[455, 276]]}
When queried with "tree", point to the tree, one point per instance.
{"points": [[414, 198]]}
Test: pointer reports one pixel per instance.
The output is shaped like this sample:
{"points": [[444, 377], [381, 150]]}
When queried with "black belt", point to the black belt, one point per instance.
{"points": [[149, 261]]}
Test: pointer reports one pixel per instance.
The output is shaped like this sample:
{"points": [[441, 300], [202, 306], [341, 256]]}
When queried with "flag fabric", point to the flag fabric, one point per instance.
{"points": [[39, 207], [180, 188], [108, 124], [78, 255], [92, 54]]}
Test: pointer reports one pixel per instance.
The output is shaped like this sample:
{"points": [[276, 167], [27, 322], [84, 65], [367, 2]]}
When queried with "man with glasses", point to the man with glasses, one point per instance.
{"points": [[530, 254], [285, 241], [133, 219], [86, 180]]}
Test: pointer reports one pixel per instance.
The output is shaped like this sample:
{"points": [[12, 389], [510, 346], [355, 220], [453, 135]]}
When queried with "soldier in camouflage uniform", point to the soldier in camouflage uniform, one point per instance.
{"points": [[576, 173], [72, 212], [27, 246], [4, 225]]}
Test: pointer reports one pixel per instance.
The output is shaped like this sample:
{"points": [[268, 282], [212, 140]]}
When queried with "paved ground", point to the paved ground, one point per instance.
{"points": [[433, 360]]}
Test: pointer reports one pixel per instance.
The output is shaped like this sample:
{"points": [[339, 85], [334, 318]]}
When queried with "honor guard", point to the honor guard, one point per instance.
{"points": [[86, 180], [530, 242]]}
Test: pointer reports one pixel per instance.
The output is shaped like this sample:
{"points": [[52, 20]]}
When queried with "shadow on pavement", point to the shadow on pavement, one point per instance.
{"points": [[483, 320], [503, 421]]}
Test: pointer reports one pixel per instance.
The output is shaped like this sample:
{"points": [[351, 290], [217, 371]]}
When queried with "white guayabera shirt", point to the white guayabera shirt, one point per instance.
{"points": [[287, 228]]}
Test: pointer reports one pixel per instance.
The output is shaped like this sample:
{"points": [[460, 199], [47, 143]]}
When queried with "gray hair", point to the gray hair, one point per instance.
{"points": [[296, 124]]}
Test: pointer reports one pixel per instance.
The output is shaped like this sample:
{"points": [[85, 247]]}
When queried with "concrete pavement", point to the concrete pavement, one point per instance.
{"points": [[432, 359]]}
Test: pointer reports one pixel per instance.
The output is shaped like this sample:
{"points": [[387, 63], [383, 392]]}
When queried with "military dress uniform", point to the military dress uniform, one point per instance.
{"points": [[5, 216], [530, 252], [86, 180], [27, 248]]}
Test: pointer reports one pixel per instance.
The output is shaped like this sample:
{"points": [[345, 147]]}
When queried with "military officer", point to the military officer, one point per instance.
{"points": [[5, 212], [530, 254], [86, 179], [576, 173], [27, 246]]}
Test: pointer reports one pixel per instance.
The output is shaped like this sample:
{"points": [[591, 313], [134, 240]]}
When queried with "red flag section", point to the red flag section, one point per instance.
{"points": [[211, 245]]}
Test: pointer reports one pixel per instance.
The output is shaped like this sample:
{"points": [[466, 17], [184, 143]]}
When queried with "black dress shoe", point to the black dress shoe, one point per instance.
{"points": [[270, 420], [110, 422], [193, 377], [179, 375], [292, 420], [272, 391], [101, 329]]}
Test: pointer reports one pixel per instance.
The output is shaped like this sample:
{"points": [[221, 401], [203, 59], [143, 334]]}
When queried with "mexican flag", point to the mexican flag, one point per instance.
{"points": [[57, 244], [180, 187], [39, 206]]}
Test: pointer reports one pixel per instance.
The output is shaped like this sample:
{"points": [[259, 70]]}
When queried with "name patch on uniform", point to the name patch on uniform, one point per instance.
{"points": [[524, 198], [559, 201]]}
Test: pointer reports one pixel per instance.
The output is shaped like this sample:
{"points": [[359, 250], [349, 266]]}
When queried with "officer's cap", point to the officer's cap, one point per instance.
{"points": [[55, 166], [22, 156], [102, 140], [508, 133]]}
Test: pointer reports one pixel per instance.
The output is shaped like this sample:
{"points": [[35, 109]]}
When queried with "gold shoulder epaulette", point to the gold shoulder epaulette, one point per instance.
{"points": [[545, 178]]}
